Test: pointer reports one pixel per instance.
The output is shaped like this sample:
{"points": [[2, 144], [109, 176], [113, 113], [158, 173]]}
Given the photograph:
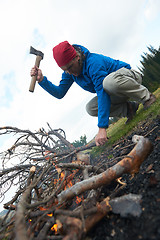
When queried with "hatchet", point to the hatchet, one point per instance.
{"points": [[39, 57]]}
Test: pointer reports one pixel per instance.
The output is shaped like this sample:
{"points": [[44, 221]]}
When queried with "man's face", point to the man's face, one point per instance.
{"points": [[73, 67]]}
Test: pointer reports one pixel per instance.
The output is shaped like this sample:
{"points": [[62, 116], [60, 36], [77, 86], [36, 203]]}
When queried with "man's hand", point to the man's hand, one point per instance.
{"points": [[101, 137], [35, 71]]}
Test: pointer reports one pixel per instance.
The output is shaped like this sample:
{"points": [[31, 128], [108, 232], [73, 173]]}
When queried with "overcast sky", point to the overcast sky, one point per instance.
{"points": [[121, 29]]}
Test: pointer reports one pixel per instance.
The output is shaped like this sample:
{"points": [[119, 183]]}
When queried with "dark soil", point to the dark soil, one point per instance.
{"points": [[145, 183]]}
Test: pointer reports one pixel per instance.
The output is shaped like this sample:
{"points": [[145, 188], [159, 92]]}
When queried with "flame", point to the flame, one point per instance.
{"points": [[62, 175], [46, 154], [70, 184], [79, 199], [44, 209], [55, 228], [50, 214], [69, 180], [30, 220], [55, 181]]}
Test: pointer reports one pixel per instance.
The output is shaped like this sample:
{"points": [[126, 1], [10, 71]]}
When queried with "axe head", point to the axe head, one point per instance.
{"points": [[36, 52]]}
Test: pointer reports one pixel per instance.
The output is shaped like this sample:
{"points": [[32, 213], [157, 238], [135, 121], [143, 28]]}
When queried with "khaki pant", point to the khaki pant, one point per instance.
{"points": [[122, 85]]}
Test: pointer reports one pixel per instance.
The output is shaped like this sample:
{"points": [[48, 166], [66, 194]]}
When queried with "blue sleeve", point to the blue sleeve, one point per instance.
{"points": [[56, 91], [104, 104], [97, 74]]}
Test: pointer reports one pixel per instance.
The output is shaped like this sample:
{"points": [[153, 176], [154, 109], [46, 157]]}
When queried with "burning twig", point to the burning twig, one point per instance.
{"points": [[72, 228]]}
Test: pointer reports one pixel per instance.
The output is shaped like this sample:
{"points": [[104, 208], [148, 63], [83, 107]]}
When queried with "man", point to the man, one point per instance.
{"points": [[113, 81]]}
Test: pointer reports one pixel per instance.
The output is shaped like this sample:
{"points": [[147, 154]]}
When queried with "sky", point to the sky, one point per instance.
{"points": [[121, 29]]}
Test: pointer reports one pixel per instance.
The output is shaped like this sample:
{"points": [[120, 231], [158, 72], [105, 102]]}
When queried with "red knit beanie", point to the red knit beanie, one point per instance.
{"points": [[63, 53]]}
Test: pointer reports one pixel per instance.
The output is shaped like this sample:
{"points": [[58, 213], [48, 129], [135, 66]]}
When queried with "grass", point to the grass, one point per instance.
{"points": [[119, 129]]}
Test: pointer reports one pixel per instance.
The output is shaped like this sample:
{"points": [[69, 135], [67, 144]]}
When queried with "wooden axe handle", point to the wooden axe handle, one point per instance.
{"points": [[34, 78]]}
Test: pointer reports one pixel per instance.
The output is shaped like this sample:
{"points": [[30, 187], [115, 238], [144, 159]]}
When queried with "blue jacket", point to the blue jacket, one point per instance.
{"points": [[95, 68]]}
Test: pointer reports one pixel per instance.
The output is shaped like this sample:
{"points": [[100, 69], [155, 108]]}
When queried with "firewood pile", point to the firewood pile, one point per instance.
{"points": [[58, 193]]}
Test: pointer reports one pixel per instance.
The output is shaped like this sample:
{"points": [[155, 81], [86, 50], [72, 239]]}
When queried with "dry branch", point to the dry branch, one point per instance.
{"points": [[129, 164], [44, 195], [20, 223]]}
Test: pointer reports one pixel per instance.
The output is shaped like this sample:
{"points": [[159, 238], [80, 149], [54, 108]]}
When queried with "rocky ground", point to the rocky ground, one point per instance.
{"points": [[146, 183]]}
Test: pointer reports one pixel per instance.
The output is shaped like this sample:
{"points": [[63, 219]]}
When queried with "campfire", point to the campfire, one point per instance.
{"points": [[59, 193]]}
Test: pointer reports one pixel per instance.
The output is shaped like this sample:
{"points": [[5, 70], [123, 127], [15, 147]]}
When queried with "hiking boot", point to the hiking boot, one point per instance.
{"points": [[150, 101], [132, 107]]}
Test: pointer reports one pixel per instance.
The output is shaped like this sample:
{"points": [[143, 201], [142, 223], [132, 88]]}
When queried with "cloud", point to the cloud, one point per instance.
{"points": [[152, 9]]}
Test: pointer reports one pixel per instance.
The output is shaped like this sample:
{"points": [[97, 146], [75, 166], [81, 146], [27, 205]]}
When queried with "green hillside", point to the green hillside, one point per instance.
{"points": [[120, 129]]}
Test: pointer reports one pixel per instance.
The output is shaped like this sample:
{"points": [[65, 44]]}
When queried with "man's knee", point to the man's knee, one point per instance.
{"points": [[109, 84], [123, 79], [88, 109]]}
